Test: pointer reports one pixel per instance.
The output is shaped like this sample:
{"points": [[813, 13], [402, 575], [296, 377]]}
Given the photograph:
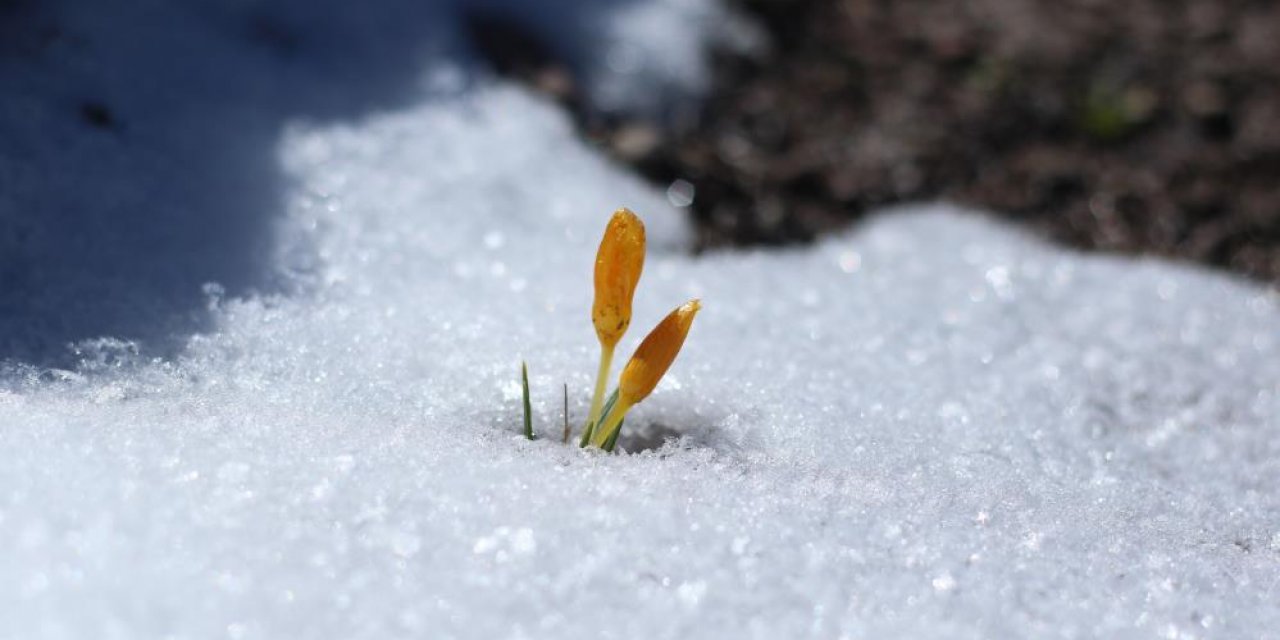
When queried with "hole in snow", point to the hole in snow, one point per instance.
{"points": [[654, 435]]}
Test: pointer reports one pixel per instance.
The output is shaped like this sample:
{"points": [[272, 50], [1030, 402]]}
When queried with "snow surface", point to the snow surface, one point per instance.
{"points": [[927, 427]]}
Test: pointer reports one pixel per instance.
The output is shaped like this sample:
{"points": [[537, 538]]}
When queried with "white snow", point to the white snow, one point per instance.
{"points": [[929, 426]]}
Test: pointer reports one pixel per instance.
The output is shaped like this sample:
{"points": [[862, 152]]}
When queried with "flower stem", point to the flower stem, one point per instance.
{"points": [[610, 424], [597, 398]]}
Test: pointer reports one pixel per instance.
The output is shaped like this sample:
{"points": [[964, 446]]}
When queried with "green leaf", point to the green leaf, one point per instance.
{"points": [[528, 410], [566, 414], [604, 412], [613, 439]]}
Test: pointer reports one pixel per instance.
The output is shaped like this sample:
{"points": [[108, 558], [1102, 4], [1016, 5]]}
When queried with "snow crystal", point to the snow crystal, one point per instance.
{"points": [[929, 426]]}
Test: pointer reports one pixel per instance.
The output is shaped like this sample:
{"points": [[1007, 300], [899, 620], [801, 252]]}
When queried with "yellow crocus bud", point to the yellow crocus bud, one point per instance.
{"points": [[656, 353], [618, 264], [647, 366]]}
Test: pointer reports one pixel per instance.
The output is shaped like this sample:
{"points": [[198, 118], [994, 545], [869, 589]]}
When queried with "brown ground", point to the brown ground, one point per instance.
{"points": [[1146, 126]]}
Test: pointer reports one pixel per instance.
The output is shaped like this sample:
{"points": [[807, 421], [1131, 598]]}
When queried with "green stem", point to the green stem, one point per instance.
{"points": [[597, 398], [610, 424]]}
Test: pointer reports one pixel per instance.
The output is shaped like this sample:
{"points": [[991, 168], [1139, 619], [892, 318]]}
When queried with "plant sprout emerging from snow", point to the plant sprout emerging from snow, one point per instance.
{"points": [[619, 261], [647, 365]]}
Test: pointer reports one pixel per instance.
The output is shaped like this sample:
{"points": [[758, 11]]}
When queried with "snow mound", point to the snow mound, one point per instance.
{"points": [[139, 139], [927, 427]]}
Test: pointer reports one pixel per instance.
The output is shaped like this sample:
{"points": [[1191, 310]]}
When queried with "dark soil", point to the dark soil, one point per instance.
{"points": [[1145, 126]]}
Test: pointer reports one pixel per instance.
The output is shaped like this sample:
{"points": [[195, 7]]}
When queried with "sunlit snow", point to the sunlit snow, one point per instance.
{"points": [[928, 426]]}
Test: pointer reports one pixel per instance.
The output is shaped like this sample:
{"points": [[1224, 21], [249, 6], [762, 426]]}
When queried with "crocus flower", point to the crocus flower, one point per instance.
{"points": [[647, 366], [619, 262]]}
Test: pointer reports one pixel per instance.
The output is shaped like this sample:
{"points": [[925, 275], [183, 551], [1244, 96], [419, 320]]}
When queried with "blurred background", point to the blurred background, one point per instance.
{"points": [[1147, 126], [138, 138]]}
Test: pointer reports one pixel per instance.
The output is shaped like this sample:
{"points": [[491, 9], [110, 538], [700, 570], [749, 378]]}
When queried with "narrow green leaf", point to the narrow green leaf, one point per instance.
{"points": [[591, 427], [613, 439], [528, 410], [566, 413]]}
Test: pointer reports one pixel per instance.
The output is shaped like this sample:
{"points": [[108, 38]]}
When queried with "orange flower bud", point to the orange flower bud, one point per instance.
{"points": [[619, 262], [647, 366], [656, 353]]}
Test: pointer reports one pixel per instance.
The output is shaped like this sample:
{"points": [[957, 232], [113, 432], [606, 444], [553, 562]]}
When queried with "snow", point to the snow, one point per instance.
{"points": [[928, 426]]}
